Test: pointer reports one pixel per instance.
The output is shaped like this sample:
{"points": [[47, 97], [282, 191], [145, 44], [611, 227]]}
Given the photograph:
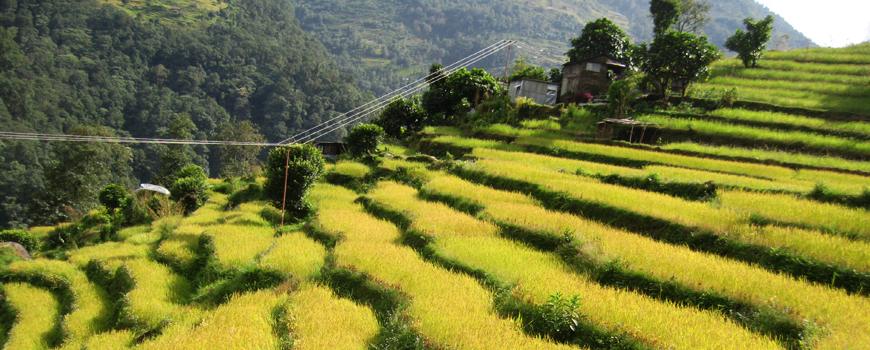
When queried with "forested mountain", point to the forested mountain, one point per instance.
{"points": [[68, 63], [381, 42]]}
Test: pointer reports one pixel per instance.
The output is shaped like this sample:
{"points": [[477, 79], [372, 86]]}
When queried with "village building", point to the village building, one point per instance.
{"points": [[330, 149], [591, 75], [543, 92]]}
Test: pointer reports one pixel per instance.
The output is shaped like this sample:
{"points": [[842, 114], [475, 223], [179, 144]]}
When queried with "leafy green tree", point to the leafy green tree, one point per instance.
{"points": [[401, 113], [693, 17], [239, 161], [664, 14], [522, 69], [177, 156], [113, 197], [600, 37], [364, 139], [677, 56], [750, 44], [77, 173], [621, 96], [555, 75], [190, 188], [303, 165], [451, 98]]}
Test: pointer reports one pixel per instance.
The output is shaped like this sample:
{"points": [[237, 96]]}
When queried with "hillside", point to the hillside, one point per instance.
{"points": [[741, 228], [383, 42], [80, 62]]}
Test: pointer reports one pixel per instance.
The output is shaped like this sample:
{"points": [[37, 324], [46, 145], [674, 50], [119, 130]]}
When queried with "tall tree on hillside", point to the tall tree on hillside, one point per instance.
{"points": [[678, 57], [693, 16], [176, 156], [600, 37], [750, 44], [77, 173], [239, 161], [664, 14]]}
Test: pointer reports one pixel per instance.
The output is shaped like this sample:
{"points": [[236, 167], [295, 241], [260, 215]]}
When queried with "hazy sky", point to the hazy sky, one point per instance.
{"points": [[830, 23]]}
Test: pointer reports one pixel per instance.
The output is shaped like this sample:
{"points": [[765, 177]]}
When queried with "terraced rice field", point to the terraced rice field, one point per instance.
{"points": [[538, 238]]}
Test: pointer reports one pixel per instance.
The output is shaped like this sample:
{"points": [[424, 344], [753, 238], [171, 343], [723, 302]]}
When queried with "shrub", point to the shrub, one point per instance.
{"points": [[113, 197], [194, 171], [582, 97], [364, 139], [24, 238], [190, 192], [304, 166], [621, 97]]}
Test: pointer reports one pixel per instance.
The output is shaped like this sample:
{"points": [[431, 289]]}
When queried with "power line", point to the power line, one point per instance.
{"points": [[356, 114], [88, 138]]}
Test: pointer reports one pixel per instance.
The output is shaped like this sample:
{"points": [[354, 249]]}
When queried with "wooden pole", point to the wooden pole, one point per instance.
{"points": [[286, 170], [506, 63]]}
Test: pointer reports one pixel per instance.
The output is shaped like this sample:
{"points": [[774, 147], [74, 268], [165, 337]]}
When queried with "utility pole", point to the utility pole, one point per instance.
{"points": [[508, 62]]}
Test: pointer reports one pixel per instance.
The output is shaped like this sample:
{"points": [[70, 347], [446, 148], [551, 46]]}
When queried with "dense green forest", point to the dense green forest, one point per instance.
{"points": [[72, 63], [384, 42]]}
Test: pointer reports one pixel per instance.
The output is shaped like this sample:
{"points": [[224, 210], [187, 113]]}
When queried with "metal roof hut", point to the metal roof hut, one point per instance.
{"points": [[543, 92], [627, 130], [592, 75]]}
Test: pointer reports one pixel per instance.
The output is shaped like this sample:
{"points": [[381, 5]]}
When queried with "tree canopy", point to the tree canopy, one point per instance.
{"points": [[664, 14], [693, 16], [600, 37], [678, 57], [750, 44]]}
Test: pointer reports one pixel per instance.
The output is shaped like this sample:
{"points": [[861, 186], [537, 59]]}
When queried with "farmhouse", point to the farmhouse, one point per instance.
{"points": [[542, 92], [592, 75], [330, 149]]}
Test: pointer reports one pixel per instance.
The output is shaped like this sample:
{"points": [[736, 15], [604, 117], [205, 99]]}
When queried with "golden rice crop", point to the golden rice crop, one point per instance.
{"points": [[350, 168], [112, 340], [158, 295], [442, 130], [764, 154], [756, 170], [245, 322], [451, 309], [320, 320], [726, 221], [181, 247], [545, 124], [397, 149], [475, 143], [831, 248], [337, 213], [236, 245], [92, 308], [689, 213], [293, 253], [665, 172], [786, 208], [428, 215], [844, 183], [540, 275], [835, 309], [109, 251], [37, 315], [133, 231], [556, 163]]}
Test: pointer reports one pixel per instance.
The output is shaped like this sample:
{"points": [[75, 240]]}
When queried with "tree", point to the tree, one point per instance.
{"points": [[364, 139], [400, 114], [693, 17], [451, 98], [677, 56], [177, 156], [190, 188], [239, 161], [600, 37], [555, 76], [303, 165], [664, 14], [78, 172], [522, 69], [750, 44]]}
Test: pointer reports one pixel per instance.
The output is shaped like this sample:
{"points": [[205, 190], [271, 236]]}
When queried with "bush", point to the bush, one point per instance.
{"points": [[304, 166], [113, 197], [582, 97], [194, 171], [364, 139], [24, 238], [621, 97], [190, 192]]}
